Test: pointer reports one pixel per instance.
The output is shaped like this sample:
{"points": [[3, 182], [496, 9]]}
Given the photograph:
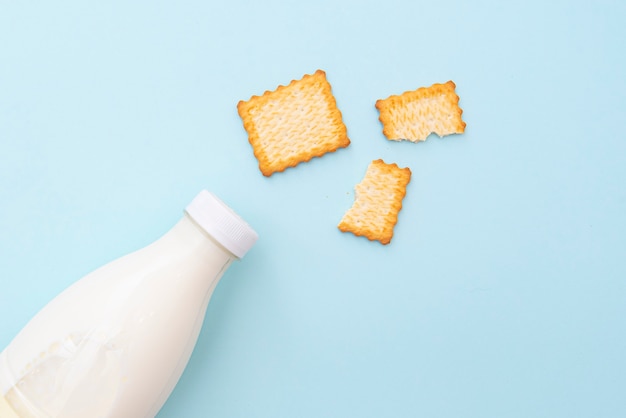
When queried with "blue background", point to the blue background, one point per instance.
{"points": [[502, 293]]}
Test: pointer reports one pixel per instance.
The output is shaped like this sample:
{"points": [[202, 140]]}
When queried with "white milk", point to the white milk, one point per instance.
{"points": [[115, 343]]}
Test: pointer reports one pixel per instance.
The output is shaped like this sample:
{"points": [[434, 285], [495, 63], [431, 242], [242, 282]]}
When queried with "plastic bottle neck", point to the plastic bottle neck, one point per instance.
{"points": [[188, 229]]}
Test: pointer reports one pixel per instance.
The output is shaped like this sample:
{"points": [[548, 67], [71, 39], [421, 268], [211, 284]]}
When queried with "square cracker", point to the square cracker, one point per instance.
{"points": [[414, 115], [378, 200], [293, 123]]}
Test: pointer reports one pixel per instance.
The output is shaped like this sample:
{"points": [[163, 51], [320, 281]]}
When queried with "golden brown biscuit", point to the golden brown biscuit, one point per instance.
{"points": [[377, 202], [293, 123], [414, 115]]}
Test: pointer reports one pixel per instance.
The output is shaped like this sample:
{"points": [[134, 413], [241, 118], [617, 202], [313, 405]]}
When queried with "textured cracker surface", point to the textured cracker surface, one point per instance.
{"points": [[414, 115], [293, 123], [378, 200]]}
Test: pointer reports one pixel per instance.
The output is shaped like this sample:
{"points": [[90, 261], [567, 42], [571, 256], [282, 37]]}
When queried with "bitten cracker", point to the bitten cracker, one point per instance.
{"points": [[378, 200], [293, 123], [414, 115]]}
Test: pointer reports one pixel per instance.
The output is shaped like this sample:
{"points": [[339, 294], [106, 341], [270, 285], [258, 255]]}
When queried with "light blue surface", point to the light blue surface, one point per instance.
{"points": [[503, 291]]}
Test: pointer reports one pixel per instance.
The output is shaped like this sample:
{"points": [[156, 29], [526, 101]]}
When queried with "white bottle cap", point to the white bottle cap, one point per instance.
{"points": [[222, 223]]}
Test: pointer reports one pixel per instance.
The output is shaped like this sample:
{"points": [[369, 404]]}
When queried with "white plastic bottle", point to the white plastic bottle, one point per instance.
{"points": [[115, 343]]}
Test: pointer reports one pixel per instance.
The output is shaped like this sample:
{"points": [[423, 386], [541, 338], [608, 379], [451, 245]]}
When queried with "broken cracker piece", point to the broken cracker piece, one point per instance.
{"points": [[377, 202], [293, 123], [414, 115]]}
